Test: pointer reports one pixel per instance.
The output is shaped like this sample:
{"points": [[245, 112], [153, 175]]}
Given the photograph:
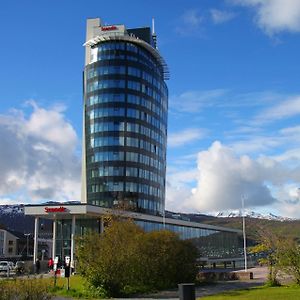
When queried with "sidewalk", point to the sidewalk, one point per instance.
{"points": [[260, 276]]}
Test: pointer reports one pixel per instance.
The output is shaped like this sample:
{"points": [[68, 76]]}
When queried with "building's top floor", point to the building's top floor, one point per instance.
{"points": [[97, 32], [95, 28]]}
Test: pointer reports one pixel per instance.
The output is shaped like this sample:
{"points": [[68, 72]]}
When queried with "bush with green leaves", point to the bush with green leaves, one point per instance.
{"points": [[125, 260], [289, 259]]}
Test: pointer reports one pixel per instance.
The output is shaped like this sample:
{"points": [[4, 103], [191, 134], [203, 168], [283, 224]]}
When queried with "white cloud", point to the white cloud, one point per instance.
{"points": [[177, 190], [195, 101], [189, 23], [274, 16], [220, 16], [222, 177], [185, 136], [191, 17], [38, 155], [285, 109], [7, 201]]}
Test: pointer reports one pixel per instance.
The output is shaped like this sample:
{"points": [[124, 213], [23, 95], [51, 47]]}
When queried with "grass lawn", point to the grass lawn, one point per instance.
{"points": [[77, 287], [260, 293]]}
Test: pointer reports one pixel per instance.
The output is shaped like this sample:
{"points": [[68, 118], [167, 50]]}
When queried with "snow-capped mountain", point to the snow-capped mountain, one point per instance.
{"points": [[17, 209], [251, 214]]}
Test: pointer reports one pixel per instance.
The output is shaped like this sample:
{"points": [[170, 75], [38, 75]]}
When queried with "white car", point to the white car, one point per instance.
{"points": [[5, 267]]}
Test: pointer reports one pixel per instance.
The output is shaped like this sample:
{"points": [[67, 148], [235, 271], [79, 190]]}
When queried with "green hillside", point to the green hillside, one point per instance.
{"points": [[289, 229]]}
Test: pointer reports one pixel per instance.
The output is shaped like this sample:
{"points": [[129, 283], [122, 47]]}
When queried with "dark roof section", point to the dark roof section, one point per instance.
{"points": [[143, 33]]}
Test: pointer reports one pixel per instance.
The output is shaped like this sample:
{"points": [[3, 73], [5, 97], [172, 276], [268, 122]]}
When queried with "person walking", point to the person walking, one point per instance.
{"points": [[37, 266], [50, 264]]}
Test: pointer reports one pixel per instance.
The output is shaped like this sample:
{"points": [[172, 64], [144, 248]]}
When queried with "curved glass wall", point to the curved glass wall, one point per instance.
{"points": [[126, 102]]}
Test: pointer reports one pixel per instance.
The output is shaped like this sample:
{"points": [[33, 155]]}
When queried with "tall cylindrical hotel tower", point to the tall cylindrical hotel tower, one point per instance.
{"points": [[125, 119]]}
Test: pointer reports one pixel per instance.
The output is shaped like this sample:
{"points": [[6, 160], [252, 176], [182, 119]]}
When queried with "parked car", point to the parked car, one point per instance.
{"points": [[5, 267]]}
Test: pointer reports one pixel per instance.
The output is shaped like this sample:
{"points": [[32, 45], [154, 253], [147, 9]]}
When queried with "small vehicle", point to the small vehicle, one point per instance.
{"points": [[20, 267], [5, 267]]}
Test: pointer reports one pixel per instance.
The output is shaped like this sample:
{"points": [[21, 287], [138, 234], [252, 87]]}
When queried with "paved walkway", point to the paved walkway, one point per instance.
{"points": [[260, 275]]}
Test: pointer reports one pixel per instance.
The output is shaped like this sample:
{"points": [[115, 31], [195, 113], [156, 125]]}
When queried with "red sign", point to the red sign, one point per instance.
{"points": [[55, 209], [108, 28]]}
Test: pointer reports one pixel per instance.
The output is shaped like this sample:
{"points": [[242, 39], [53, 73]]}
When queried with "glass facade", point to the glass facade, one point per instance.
{"points": [[126, 103], [212, 243], [64, 229]]}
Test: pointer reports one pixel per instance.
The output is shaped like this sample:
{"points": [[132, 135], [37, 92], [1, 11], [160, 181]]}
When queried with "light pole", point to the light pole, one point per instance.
{"points": [[244, 233], [27, 243]]}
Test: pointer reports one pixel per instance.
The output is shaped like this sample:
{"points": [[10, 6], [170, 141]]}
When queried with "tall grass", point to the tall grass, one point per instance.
{"points": [[24, 289]]}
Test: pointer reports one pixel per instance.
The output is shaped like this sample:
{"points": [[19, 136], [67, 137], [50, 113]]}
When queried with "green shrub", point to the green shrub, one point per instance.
{"points": [[125, 260]]}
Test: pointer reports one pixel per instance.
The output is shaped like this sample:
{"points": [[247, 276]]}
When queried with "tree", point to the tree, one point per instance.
{"points": [[125, 259], [289, 259], [269, 251]]}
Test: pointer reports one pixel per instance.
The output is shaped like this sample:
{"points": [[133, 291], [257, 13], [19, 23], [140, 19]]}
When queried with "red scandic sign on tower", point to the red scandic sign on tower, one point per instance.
{"points": [[108, 28], [55, 209]]}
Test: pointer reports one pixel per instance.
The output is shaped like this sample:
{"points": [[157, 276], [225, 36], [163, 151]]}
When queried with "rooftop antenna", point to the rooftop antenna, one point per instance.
{"points": [[154, 34], [153, 27]]}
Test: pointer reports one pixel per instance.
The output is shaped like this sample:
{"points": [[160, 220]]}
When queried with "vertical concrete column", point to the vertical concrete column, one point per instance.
{"points": [[54, 239], [72, 240], [36, 234], [102, 225]]}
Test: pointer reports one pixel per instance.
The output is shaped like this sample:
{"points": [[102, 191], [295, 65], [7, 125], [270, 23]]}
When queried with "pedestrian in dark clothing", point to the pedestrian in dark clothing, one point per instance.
{"points": [[37, 266]]}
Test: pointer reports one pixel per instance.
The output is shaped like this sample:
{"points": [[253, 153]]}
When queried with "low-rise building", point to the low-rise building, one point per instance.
{"points": [[8, 244]]}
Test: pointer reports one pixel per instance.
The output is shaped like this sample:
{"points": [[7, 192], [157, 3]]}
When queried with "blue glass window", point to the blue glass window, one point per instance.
{"points": [[131, 187], [134, 72], [133, 99], [107, 141], [134, 85], [133, 172], [111, 46], [105, 84], [107, 126], [107, 112], [132, 142], [132, 156], [132, 127], [133, 113], [107, 156], [105, 98]]}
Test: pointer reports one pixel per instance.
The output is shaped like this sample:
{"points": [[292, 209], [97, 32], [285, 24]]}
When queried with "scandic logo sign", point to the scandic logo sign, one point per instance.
{"points": [[108, 28], [55, 209]]}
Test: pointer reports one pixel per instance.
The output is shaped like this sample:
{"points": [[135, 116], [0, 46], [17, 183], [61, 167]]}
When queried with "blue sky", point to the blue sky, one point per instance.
{"points": [[234, 99]]}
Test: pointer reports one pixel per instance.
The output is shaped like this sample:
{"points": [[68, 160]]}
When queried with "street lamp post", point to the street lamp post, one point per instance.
{"points": [[244, 233]]}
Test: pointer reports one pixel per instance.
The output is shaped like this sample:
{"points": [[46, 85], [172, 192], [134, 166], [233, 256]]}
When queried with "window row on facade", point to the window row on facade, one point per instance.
{"points": [[117, 50], [141, 173], [121, 70], [104, 141], [131, 98], [120, 186], [130, 113], [130, 127], [141, 203], [185, 232], [130, 157], [97, 85]]}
